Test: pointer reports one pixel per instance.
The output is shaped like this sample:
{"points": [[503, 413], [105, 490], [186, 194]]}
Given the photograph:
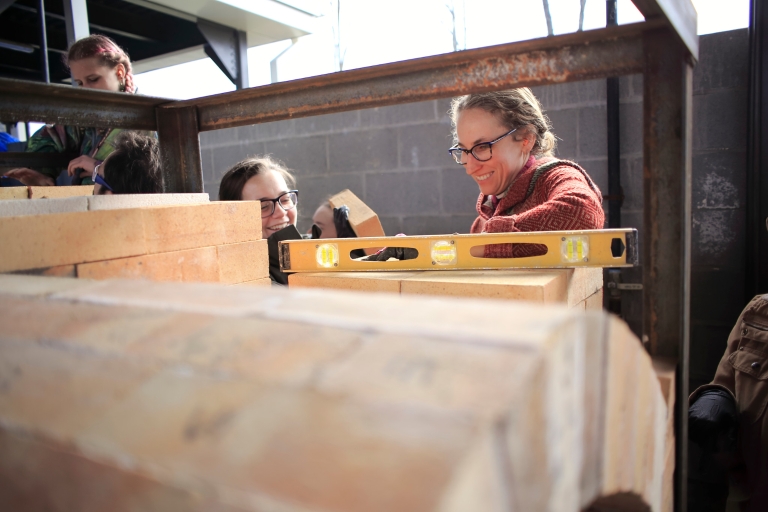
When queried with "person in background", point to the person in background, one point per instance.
{"points": [[505, 143], [133, 167], [266, 180], [96, 62], [728, 422]]}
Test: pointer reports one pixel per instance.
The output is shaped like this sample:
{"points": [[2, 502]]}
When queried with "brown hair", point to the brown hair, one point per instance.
{"points": [[108, 52], [231, 187], [134, 167], [513, 108]]}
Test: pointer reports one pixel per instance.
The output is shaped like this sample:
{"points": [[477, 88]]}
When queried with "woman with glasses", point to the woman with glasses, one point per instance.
{"points": [[503, 140], [268, 181]]}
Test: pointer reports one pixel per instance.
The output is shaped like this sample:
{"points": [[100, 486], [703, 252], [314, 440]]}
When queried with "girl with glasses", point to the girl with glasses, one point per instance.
{"points": [[270, 182], [503, 140]]}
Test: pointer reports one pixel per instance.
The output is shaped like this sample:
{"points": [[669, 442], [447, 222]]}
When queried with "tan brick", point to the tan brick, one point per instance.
{"points": [[543, 286], [264, 281], [38, 241], [114, 202], [175, 228], [196, 265], [594, 302], [583, 283], [350, 281], [364, 221], [43, 206], [60, 271], [243, 262], [31, 285], [55, 192], [14, 193]]}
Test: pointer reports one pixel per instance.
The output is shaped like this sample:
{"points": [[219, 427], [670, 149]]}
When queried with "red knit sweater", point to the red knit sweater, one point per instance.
{"points": [[564, 198]]}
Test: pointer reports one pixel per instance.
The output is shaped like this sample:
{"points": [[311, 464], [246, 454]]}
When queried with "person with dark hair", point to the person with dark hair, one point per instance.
{"points": [[266, 180], [96, 62], [134, 167]]}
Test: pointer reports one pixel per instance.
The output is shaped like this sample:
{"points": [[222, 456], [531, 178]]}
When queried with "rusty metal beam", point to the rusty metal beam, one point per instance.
{"points": [[12, 160], [62, 104], [667, 142], [180, 149], [601, 53], [681, 16]]}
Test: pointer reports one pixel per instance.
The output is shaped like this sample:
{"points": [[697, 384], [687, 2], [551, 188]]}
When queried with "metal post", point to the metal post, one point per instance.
{"points": [[43, 42], [241, 48], [614, 139], [180, 149], [667, 104], [757, 155], [76, 20]]}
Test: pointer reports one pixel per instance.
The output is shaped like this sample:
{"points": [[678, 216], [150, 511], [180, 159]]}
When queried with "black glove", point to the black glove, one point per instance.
{"points": [[316, 232], [341, 221], [289, 233], [399, 253], [713, 421]]}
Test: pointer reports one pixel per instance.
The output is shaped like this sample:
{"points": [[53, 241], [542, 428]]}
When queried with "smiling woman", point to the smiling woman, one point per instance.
{"points": [[95, 62], [503, 140]]}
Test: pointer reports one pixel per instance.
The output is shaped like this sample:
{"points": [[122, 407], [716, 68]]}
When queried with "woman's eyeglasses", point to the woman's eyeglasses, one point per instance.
{"points": [[482, 152], [286, 200], [96, 178]]}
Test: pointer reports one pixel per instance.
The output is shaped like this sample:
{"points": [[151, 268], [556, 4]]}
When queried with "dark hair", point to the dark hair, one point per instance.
{"points": [[134, 167], [108, 52], [231, 187]]}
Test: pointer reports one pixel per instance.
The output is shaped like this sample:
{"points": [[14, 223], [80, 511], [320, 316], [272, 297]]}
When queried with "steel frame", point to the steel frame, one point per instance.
{"points": [[664, 48]]}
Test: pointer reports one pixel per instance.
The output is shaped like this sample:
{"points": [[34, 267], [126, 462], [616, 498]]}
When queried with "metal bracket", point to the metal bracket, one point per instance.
{"points": [[228, 48]]}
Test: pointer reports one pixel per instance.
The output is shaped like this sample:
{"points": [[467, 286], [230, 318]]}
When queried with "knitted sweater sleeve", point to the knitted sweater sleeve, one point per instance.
{"points": [[567, 203]]}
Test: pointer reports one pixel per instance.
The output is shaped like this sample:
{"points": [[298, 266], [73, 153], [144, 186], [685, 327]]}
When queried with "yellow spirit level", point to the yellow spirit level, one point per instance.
{"points": [[565, 249]]}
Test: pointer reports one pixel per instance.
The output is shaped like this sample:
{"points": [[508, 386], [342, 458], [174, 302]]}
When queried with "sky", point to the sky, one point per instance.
{"points": [[381, 32]]}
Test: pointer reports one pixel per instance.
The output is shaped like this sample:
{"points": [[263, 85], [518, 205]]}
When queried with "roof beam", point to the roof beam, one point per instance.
{"points": [[681, 16], [612, 51]]}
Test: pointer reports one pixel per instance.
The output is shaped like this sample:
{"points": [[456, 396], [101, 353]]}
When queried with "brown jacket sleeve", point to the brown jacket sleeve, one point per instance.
{"points": [[743, 372]]}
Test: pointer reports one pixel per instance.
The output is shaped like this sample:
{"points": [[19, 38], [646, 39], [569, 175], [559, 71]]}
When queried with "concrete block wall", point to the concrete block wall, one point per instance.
{"points": [[395, 159]]}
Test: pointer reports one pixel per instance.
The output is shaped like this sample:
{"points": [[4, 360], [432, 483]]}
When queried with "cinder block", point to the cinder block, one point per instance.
{"points": [[43, 206], [399, 193], [175, 228], [54, 192], [305, 156], [369, 150], [114, 202], [196, 265], [363, 220], [243, 262], [425, 146], [14, 193], [39, 241]]}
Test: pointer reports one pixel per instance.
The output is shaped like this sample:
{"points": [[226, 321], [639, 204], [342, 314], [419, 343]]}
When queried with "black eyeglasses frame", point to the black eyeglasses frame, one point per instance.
{"points": [[277, 201], [457, 151]]}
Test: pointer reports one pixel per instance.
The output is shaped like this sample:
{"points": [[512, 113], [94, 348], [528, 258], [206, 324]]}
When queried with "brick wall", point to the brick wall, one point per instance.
{"points": [[395, 159]]}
